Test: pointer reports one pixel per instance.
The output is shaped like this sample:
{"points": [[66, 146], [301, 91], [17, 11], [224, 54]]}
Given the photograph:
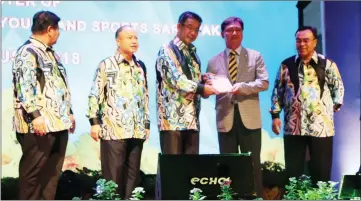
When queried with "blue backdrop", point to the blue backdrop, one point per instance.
{"points": [[88, 37], [343, 38]]}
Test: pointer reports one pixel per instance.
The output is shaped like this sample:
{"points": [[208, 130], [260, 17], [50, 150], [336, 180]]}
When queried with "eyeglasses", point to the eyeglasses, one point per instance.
{"points": [[233, 29], [189, 27]]}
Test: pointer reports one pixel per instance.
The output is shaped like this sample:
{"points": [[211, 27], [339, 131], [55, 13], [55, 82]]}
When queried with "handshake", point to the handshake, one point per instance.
{"points": [[218, 85], [208, 88]]}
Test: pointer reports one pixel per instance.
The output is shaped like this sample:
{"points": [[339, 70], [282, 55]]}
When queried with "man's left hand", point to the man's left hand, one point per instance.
{"points": [[73, 124], [336, 107], [207, 77], [147, 133], [236, 89]]}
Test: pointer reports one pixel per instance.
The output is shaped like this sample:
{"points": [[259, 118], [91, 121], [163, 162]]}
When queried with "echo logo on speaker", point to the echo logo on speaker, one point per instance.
{"points": [[208, 181]]}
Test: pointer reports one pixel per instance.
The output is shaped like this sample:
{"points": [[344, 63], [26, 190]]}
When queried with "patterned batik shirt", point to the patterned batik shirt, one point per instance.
{"points": [[178, 92], [118, 99], [40, 88], [307, 112]]}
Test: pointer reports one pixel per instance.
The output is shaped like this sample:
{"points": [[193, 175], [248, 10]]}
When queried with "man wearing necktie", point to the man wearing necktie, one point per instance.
{"points": [[238, 112]]}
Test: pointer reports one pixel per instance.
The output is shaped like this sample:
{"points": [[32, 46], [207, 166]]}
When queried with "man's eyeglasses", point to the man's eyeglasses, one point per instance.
{"points": [[232, 30], [189, 27]]}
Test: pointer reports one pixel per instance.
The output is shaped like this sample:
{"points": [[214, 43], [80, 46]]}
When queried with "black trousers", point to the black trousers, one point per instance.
{"points": [[320, 150], [120, 162], [248, 141], [41, 164], [179, 142]]}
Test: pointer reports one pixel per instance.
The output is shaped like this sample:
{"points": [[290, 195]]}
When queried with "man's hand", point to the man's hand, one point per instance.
{"points": [[95, 132], [236, 89], [276, 126], [209, 90], [207, 77], [73, 125], [336, 107], [147, 133], [39, 126]]}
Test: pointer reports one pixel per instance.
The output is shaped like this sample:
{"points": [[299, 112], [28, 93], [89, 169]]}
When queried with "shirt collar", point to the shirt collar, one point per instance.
{"points": [[314, 57], [238, 50], [120, 59], [181, 45], [37, 43]]}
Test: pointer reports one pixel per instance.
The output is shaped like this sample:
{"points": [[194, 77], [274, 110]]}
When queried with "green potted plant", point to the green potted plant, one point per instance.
{"points": [[196, 194], [137, 193], [226, 191], [302, 189], [105, 190]]}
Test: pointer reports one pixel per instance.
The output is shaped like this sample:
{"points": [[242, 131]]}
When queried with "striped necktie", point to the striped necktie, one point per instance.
{"points": [[232, 67]]}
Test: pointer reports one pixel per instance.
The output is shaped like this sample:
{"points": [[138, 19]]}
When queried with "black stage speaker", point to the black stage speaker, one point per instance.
{"points": [[178, 174], [350, 187]]}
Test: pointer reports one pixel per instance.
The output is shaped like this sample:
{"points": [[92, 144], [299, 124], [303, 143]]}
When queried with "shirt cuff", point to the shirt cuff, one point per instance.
{"points": [[275, 115], [94, 121], [200, 89], [34, 115], [337, 106]]}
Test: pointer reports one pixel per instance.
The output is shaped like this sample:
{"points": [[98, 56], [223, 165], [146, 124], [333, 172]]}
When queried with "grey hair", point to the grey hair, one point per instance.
{"points": [[120, 29]]}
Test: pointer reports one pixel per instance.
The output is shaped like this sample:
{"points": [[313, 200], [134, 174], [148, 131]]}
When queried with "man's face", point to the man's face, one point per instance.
{"points": [[53, 34], [127, 40], [305, 43], [188, 31], [233, 35]]}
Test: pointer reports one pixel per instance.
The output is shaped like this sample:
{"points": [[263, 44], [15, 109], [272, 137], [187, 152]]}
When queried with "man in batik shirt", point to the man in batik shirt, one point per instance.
{"points": [[42, 110], [309, 89], [179, 89], [119, 112]]}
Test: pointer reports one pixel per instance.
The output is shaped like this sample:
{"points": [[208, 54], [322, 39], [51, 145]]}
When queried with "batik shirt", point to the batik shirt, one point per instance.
{"points": [[307, 114], [40, 88], [178, 99], [118, 99]]}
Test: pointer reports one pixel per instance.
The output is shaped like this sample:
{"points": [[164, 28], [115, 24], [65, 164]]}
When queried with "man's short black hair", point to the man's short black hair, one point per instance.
{"points": [[188, 14], [310, 28], [231, 20], [42, 20]]}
